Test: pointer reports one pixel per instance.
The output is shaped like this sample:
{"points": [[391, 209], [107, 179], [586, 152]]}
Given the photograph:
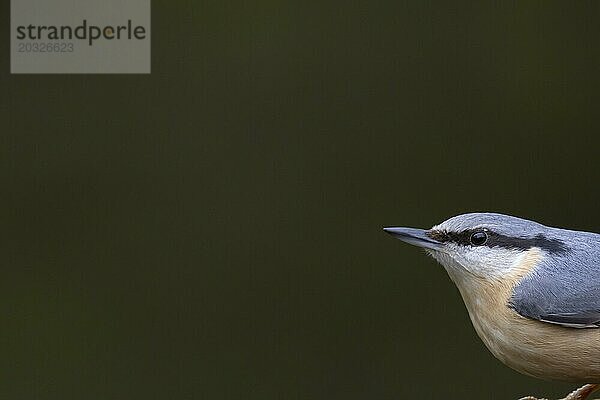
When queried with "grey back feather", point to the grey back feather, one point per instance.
{"points": [[565, 288]]}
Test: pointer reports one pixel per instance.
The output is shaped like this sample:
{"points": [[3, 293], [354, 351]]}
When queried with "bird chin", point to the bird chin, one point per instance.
{"points": [[430, 252], [446, 260], [438, 253]]}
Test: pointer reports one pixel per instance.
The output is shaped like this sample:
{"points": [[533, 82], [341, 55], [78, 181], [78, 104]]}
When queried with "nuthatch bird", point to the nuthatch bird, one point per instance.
{"points": [[532, 291]]}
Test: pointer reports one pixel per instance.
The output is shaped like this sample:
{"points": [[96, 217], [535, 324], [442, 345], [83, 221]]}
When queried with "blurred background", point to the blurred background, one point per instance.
{"points": [[213, 230]]}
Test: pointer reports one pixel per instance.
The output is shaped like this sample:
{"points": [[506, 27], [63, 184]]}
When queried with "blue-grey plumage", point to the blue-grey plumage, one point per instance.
{"points": [[532, 291], [565, 287]]}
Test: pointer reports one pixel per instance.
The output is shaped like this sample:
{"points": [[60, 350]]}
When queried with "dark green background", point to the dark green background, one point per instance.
{"points": [[213, 230]]}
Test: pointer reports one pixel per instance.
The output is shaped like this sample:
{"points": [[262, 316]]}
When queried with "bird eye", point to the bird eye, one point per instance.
{"points": [[479, 238]]}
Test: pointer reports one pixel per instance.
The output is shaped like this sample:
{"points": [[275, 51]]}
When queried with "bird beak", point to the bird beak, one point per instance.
{"points": [[417, 237]]}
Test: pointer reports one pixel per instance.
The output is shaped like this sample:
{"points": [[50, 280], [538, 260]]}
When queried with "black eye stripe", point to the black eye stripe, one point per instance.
{"points": [[494, 239]]}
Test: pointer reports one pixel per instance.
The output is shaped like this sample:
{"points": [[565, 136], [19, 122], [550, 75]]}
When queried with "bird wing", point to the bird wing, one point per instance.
{"points": [[563, 290], [589, 319]]}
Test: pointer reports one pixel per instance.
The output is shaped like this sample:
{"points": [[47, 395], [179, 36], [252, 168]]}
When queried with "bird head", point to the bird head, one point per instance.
{"points": [[483, 245]]}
